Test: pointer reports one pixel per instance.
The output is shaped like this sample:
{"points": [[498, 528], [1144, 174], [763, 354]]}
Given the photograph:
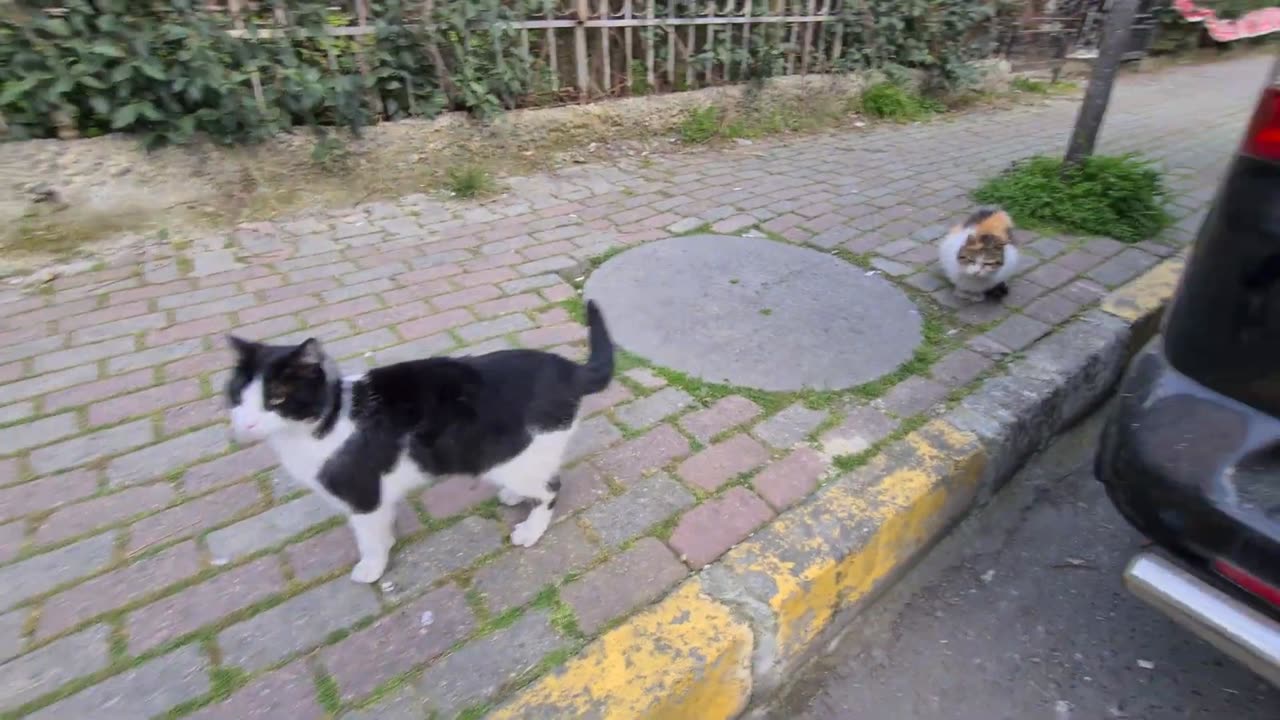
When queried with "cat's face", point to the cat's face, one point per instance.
{"points": [[981, 255], [275, 387]]}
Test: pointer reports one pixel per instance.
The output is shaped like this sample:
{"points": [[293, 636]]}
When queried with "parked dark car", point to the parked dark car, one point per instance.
{"points": [[1191, 455]]}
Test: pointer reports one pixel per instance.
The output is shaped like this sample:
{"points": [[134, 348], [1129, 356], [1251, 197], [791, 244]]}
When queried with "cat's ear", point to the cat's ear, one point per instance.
{"points": [[242, 348], [310, 352]]}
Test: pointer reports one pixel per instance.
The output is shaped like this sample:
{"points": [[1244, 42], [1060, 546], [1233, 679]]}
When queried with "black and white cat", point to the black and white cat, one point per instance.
{"points": [[364, 442]]}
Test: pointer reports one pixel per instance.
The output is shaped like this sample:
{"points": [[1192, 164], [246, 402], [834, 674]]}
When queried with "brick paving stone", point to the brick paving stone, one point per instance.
{"points": [[892, 267], [194, 516], [399, 642], [194, 414], [1079, 261], [593, 435], [1104, 247], [157, 460], [503, 306], [82, 354], [913, 396], [433, 324], [143, 402], [490, 328], [639, 508], [724, 414], [194, 607], [418, 566], [45, 670], [960, 367], [637, 457], [707, 531], [41, 573], [862, 427], [78, 450], [49, 383], [12, 536], [646, 378], [518, 576], [454, 495], [723, 461], [733, 224], [1122, 268], [79, 518], [789, 426], [269, 528], [150, 689], [1018, 332], [16, 438], [613, 395], [1052, 275], [289, 692], [322, 554], [298, 624], [11, 625], [926, 280], [553, 335], [478, 670], [1054, 309], [17, 411], [118, 588], [627, 581], [791, 479], [580, 487]]}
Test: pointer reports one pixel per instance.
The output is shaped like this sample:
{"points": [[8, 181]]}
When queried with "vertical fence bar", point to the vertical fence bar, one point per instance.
{"points": [[650, 52], [580, 49], [837, 39], [807, 48], [606, 82], [553, 50], [692, 40], [671, 44], [795, 36], [627, 46], [711, 43], [747, 7]]}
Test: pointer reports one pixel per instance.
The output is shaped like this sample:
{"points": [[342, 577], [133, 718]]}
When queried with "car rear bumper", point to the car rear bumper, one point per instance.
{"points": [[1194, 470], [1221, 620]]}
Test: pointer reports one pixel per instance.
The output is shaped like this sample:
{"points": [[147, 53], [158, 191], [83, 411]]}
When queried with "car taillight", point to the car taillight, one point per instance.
{"points": [[1249, 582], [1263, 139]]}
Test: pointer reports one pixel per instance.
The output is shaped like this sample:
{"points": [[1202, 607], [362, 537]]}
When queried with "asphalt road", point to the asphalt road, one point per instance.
{"points": [[1020, 614]]}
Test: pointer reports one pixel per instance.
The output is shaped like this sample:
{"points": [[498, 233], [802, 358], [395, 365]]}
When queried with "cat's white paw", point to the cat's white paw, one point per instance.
{"points": [[527, 533], [369, 570], [507, 497]]}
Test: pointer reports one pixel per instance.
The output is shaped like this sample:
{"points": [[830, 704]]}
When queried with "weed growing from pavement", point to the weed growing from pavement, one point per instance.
{"points": [[1121, 197], [469, 181]]}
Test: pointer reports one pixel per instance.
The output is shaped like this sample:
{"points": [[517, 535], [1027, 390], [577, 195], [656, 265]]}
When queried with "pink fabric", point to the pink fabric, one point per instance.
{"points": [[1258, 22]]}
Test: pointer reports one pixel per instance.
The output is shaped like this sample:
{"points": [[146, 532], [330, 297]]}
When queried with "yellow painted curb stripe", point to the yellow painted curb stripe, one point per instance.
{"points": [[686, 658], [855, 534], [1147, 294]]}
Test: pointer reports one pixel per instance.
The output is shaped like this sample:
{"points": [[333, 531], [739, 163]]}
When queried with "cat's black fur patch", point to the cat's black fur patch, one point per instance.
{"points": [[977, 217], [998, 292], [460, 415]]}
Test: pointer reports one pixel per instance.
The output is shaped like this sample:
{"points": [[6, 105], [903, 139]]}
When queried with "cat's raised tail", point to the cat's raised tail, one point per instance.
{"points": [[595, 375]]}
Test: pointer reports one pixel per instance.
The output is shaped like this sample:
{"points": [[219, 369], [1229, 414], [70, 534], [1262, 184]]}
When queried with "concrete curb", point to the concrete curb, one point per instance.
{"points": [[734, 632]]}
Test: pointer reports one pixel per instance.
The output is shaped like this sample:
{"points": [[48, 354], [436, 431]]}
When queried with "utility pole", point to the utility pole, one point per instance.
{"points": [[1115, 38]]}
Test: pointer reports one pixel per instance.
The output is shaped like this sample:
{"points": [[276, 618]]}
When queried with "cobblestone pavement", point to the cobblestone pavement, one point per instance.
{"points": [[149, 568]]}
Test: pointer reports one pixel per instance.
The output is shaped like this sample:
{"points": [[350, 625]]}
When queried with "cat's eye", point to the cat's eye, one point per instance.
{"points": [[275, 397]]}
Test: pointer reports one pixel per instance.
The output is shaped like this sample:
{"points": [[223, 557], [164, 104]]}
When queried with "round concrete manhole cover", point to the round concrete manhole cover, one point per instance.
{"points": [[756, 313]]}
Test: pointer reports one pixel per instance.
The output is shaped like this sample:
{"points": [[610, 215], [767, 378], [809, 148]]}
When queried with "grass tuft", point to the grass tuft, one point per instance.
{"points": [[469, 181], [1114, 196], [888, 101]]}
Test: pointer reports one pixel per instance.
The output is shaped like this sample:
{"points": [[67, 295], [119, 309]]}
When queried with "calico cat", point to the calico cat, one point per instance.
{"points": [[364, 442], [979, 256]]}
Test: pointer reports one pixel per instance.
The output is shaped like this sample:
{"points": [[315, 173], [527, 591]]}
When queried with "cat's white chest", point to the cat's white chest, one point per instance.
{"points": [[302, 455]]}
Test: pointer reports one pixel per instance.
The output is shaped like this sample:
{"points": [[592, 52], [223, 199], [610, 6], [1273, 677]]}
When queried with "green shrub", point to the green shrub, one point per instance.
{"points": [[888, 101], [1115, 196]]}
